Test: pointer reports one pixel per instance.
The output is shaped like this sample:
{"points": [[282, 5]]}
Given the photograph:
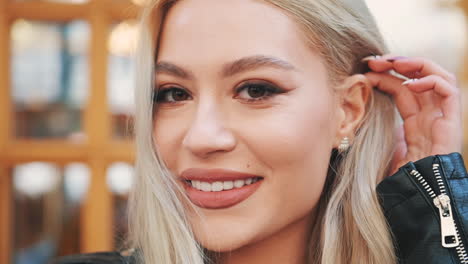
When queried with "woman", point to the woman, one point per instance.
{"points": [[270, 130]]}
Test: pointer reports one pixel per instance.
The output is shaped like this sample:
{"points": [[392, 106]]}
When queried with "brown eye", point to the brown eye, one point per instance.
{"points": [[257, 91], [171, 95]]}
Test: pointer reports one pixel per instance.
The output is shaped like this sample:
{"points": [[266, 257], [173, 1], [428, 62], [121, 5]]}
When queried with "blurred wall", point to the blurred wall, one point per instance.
{"points": [[66, 76]]}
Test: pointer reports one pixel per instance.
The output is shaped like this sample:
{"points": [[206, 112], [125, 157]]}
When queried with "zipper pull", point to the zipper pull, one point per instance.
{"points": [[447, 225]]}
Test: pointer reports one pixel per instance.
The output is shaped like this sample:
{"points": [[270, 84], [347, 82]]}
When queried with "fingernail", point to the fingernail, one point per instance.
{"points": [[396, 58], [371, 57], [409, 81]]}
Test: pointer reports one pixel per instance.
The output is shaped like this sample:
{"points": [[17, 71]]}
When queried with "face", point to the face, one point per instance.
{"points": [[246, 115]]}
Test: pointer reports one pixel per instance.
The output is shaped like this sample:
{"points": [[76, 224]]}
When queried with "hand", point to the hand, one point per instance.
{"points": [[430, 106]]}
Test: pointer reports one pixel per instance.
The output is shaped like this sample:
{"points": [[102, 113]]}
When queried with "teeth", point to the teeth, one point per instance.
{"points": [[196, 184], [205, 186], [220, 186], [228, 185], [239, 183], [216, 186]]}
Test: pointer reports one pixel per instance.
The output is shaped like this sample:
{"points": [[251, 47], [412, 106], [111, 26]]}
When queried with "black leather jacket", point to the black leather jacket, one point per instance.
{"points": [[426, 206], [409, 199]]}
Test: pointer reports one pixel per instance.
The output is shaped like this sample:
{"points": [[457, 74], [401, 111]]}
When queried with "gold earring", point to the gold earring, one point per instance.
{"points": [[344, 145]]}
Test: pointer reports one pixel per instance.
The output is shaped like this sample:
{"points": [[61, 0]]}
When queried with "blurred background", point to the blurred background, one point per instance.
{"points": [[66, 80]]}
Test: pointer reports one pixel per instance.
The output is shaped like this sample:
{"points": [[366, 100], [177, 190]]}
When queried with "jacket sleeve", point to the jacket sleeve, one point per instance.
{"points": [[409, 199]]}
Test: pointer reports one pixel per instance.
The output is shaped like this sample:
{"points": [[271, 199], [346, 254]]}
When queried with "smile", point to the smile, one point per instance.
{"points": [[219, 188]]}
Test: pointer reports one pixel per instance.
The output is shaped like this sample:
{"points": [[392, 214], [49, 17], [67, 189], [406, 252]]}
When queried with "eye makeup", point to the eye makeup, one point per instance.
{"points": [[257, 91]]}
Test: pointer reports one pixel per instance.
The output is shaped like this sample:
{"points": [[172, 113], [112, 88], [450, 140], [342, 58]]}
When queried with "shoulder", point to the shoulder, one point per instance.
{"points": [[111, 257]]}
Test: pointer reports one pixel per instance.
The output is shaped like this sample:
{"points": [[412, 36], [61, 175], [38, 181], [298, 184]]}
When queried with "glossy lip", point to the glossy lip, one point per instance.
{"points": [[222, 199]]}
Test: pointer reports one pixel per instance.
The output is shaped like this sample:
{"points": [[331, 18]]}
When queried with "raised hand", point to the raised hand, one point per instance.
{"points": [[429, 104]]}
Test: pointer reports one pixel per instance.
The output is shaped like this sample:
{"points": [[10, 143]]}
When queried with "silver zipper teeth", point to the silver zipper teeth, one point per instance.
{"points": [[461, 251], [423, 182]]}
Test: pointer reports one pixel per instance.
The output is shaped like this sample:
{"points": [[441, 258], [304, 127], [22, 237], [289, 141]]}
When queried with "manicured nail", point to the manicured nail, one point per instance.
{"points": [[371, 57], [409, 81], [396, 58]]}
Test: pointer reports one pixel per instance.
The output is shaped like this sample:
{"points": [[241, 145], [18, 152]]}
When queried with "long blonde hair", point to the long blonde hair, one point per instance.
{"points": [[350, 227]]}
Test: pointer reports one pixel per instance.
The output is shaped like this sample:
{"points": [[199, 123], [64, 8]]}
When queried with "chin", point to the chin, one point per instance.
{"points": [[220, 234], [222, 242], [223, 239]]}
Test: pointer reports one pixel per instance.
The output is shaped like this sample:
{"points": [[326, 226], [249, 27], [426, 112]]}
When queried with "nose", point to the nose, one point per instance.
{"points": [[208, 134]]}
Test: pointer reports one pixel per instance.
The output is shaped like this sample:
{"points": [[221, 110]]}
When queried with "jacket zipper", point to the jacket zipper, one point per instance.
{"points": [[460, 248], [449, 232]]}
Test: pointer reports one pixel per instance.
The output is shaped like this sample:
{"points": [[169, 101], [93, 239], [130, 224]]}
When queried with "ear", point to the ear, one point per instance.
{"points": [[353, 95]]}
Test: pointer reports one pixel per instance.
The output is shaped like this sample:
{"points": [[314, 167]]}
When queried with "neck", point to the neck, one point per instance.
{"points": [[288, 245]]}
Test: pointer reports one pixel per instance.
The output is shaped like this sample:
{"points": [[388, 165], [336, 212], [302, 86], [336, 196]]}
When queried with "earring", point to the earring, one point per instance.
{"points": [[344, 145]]}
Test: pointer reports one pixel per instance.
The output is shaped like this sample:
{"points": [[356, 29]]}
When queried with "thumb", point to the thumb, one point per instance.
{"points": [[400, 151]]}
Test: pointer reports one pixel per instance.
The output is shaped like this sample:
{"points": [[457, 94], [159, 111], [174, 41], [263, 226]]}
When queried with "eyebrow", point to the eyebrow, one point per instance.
{"points": [[254, 62], [229, 69], [172, 69]]}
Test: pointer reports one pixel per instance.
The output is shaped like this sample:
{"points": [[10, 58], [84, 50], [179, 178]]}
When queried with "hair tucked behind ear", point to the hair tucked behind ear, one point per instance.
{"points": [[350, 227]]}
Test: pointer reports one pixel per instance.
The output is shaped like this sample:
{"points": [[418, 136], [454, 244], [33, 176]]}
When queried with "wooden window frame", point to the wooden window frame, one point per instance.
{"points": [[97, 151], [100, 149]]}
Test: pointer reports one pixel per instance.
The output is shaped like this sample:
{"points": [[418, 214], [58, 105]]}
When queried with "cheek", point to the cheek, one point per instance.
{"points": [[298, 135], [167, 133], [296, 145]]}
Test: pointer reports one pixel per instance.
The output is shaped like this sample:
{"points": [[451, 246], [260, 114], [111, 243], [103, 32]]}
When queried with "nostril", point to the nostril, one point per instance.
{"points": [[209, 143]]}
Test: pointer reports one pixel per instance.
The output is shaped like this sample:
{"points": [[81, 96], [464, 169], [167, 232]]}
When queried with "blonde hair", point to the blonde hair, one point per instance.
{"points": [[350, 225]]}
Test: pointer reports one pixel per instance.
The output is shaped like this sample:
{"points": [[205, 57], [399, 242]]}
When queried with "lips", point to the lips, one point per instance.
{"points": [[218, 188]]}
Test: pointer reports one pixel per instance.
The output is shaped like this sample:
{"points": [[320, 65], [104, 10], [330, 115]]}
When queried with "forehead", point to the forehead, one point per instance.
{"points": [[224, 29]]}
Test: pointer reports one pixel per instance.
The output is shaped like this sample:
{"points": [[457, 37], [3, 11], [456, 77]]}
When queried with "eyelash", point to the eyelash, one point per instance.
{"points": [[161, 93], [270, 89]]}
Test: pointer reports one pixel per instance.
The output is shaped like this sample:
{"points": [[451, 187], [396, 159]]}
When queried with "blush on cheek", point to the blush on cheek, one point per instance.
{"points": [[296, 148], [290, 138]]}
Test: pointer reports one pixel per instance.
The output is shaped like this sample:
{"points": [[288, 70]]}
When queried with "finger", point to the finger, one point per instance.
{"points": [[399, 154], [421, 67], [405, 99], [379, 63], [450, 98], [400, 150], [427, 99], [411, 67]]}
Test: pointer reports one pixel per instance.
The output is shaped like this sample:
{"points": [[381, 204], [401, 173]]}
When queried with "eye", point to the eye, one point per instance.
{"points": [[256, 91], [171, 95]]}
